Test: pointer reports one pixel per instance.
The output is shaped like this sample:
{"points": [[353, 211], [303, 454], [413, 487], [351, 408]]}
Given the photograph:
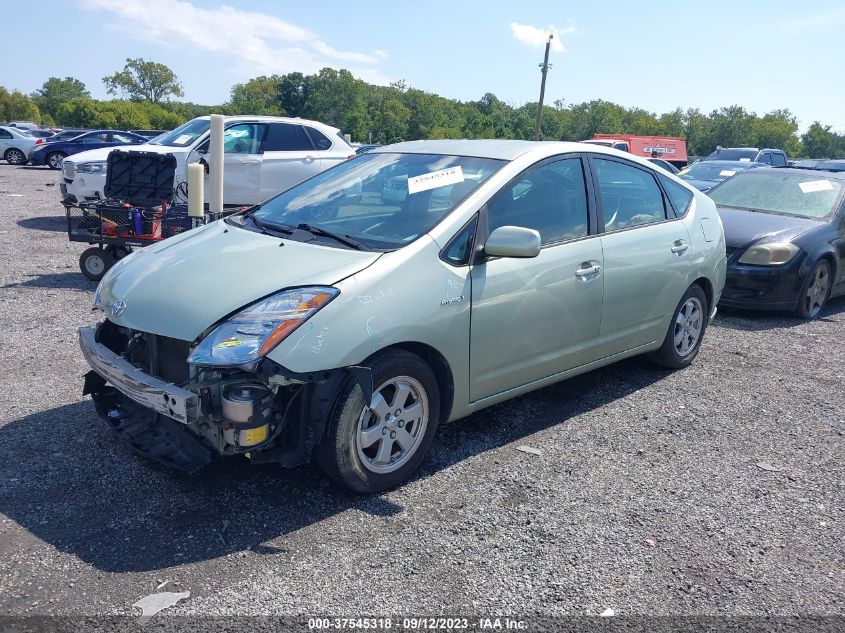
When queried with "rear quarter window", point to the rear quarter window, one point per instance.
{"points": [[680, 197]]}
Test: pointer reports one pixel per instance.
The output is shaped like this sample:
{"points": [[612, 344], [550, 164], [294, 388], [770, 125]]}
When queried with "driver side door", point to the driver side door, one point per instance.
{"points": [[533, 318]]}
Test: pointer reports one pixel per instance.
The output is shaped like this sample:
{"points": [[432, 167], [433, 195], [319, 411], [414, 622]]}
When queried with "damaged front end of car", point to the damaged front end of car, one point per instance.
{"points": [[182, 403]]}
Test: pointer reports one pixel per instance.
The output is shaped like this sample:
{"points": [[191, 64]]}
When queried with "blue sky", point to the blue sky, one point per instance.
{"points": [[656, 55]]}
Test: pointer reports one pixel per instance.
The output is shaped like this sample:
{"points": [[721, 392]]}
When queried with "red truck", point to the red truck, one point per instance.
{"points": [[672, 149]]}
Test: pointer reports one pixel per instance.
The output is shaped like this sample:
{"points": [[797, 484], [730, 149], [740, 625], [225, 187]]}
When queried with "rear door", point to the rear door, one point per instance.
{"points": [[6, 138], [646, 255], [533, 318], [289, 158]]}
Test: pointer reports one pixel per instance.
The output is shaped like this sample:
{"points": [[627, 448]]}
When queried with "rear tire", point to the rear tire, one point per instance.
{"points": [[375, 448], [54, 160], [815, 292], [686, 330], [95, 262], [14, 156]]}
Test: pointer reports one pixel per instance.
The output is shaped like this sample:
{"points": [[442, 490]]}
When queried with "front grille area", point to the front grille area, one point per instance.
{"points": [[159, 356]]}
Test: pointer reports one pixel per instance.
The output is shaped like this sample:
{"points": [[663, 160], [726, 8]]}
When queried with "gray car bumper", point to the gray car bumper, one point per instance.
{"points": [[148, 391]]}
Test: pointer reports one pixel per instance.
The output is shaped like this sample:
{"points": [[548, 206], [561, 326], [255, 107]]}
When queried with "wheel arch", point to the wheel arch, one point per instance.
{"points": [[439, 366], [707, 286]]}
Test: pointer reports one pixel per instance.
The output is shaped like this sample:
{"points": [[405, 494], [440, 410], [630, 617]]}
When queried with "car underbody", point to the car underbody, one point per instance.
{"points": [[184, 416]]}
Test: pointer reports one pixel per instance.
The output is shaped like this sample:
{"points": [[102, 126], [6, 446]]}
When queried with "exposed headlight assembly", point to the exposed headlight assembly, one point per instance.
{"points": [[98, 167], [254, 331], [773, 254]]}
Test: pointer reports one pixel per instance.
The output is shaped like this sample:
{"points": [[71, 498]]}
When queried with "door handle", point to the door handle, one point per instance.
{"points": [[249, 161], [679, 247], [589, 271]]}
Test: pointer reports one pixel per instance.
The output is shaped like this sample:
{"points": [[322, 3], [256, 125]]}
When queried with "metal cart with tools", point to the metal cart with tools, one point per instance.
{"points": [[140, 208]]}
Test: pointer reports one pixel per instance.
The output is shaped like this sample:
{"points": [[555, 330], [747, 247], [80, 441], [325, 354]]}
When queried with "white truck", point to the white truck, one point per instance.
{"points": [[263, 155]]}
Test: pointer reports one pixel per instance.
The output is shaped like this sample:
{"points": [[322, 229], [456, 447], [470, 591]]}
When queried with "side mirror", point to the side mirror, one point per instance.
{"points": [[513, 241], [202, 149]]}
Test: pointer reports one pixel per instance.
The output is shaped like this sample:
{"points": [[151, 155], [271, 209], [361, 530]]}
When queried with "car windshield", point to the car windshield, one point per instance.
{"points": [[807, 195], [707, 170], [382, 201], [183, 135]]}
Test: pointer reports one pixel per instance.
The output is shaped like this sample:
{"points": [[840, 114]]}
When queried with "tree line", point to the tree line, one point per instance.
{"points": [[386, 114]]}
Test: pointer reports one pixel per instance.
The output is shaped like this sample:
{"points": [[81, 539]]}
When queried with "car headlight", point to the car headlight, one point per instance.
{"points": [[254, 331], [773, 254], [98, 167]]}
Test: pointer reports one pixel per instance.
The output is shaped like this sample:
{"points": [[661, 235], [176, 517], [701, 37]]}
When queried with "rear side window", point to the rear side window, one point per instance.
{"points": [[765, 158], [284, 137], [629, 195], [321, 142], [778, 160], [5, 134], [680, 197]]}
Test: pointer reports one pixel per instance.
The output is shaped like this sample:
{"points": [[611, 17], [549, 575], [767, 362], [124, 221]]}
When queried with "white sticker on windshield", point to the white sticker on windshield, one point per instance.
{"points": [[182, 139], [435, 179], [744, 160], [727, 173], [811, 186]]}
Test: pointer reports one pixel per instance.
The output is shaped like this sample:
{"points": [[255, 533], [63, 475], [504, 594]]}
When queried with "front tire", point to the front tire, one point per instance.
{"points": [[815, 292], [374, 448], [95, 262], [14, 156], [686, 330], [54, 160]]}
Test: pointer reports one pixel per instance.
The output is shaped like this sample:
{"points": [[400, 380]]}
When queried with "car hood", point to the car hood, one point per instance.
{"points": [[102, 153], [743, 228], [181, 286]]}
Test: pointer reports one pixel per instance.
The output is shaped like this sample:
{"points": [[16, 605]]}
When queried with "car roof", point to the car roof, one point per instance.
{"points": [[500, 149], [726, 163], [264, 118]]}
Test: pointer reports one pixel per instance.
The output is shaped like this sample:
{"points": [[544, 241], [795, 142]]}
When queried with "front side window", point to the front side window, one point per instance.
{"points": [[93, 139], [245, 138], [551, 199], [778, 160], [123, 138], [629, 195]]}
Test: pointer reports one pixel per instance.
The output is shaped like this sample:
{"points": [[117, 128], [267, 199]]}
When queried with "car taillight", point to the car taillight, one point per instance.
{"points": [[351, 156], [39, 140]]}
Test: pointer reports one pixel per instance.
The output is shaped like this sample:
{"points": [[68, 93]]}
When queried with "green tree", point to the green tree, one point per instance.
{"points": [[141, 80], [55, 91], [16, 106], [392, 122], [257, 96], [820, 142], [778, 128]]}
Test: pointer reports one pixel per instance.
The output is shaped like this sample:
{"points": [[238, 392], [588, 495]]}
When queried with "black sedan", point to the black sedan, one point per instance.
{"points": [[784, 237], [52, 153]]}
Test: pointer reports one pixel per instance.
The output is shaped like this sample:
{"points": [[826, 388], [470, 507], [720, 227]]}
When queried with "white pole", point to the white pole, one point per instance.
{"points": [[196, 203], [215, 176]]}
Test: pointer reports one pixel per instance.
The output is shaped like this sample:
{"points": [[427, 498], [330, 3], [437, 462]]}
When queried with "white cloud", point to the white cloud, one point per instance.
{"points": [[536, 37], [815, 22], [255, 43]]}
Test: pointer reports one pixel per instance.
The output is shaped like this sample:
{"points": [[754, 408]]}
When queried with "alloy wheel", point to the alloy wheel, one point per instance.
{"points": [[689, 324], [55, 160], [15, 157], [391, 429], [817, 291]]}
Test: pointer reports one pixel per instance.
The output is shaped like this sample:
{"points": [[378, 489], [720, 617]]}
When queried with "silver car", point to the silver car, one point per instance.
{"points": [[335, 322]]}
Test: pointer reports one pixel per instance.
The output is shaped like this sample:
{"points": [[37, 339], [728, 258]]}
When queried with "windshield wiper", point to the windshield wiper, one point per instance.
{"points": [[337, 237]]}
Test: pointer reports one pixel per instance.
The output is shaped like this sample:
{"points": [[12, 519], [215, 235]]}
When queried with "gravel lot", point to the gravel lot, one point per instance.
{"points": [[648, 496]]}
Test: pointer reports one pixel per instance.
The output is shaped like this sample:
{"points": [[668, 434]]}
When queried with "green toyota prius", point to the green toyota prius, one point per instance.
{"points": [[348, 316]]}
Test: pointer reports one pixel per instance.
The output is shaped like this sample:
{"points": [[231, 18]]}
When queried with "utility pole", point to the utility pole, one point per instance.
{"points": [[544, 68]]}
